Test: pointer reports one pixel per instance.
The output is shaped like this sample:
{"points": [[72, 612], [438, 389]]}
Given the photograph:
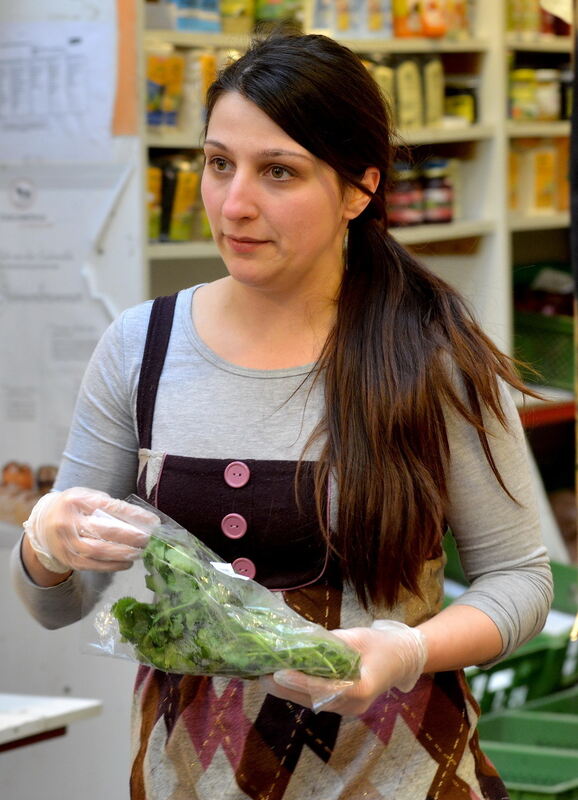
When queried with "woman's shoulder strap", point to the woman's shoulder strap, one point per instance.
{"points": [[155, 350]]}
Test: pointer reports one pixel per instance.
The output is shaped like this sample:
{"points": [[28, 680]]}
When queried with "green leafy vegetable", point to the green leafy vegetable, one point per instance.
{"points": [[204, 622]]}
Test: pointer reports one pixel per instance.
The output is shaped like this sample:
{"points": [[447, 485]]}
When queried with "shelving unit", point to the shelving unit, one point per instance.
{"points": [[475, 252], [185, 139], [539, 43], [419, 234], [441, 135], [529, 129], [541, 237], [539, 222]]}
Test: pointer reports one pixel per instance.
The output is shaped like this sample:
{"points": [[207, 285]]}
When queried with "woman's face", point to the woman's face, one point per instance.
{"points": [[278, 214]]}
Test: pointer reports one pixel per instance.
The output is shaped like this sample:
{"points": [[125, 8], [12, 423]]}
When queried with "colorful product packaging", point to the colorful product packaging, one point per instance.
{"points": [[523, 103], [277, 10], [200, 72], [433, 90], [533, 175], [154, 183], [377, 19], [197, 15], [156, 82], [563, 173], [347, 17], [165, 82], [407, 19], [180, 198], [461, 97], [420, 18], [173, 90], [514, 167], [319, 18], [457, 19], [384, 75], [409, 93], [237, 16], [433, 19]]}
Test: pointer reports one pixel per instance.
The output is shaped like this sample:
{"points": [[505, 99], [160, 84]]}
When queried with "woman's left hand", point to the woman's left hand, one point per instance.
{"points": [[392, 654]]}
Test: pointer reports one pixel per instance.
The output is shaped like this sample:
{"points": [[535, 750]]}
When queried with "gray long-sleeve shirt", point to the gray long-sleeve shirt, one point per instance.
{"points": [[209, 408]]}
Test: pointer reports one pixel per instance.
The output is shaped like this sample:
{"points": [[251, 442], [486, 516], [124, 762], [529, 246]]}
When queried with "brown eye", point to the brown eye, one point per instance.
{"points": [[279, 173]]}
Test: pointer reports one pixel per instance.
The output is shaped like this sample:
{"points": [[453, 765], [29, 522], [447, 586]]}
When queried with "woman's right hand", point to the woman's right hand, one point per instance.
{"points": [[85, 529]]}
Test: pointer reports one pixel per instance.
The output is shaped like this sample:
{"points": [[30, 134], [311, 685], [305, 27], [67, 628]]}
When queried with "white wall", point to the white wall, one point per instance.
{"points": [[92, 761]]}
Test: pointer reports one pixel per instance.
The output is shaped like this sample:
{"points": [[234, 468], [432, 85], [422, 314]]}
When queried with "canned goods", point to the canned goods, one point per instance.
{"points": [[548, 94], [405, 200], [523, 98], [438, 192], [461, 97]]}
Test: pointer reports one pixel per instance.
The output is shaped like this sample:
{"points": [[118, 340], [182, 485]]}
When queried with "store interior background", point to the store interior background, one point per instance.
{"points": [[478, 252]]}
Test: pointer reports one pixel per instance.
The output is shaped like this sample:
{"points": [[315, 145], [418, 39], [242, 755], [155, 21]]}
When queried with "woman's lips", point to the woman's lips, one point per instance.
{"points": [[244, 244]]}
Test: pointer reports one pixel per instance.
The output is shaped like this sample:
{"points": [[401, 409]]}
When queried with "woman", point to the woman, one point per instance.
{"points": [[318, 417]]}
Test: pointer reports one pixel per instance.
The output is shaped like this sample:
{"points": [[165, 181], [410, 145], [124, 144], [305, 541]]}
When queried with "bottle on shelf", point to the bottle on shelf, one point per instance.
{"points": [[174, 203], [538, 176], [405, 200], [461, 97], [438, 192]]}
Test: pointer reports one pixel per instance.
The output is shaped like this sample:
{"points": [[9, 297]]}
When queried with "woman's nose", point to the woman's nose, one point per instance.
{"points": [[240, 199]]}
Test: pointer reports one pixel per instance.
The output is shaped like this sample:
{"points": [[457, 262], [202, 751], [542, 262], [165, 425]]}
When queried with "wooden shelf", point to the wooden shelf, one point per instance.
{"points": [[190, 39], [461, 229], [174, 139], [420, 234], [190, 139], [440, 135], [393, 45], [416, 45], [558, 128], [539, 222], [539, 43]]}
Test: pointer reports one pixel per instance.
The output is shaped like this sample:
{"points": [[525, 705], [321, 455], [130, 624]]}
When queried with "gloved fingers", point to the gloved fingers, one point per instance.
{"points": [[77, 562], [89, 501], [102, 525], [140, 518], [270, 685], [78, 550], [309, 684], [322, 692]]}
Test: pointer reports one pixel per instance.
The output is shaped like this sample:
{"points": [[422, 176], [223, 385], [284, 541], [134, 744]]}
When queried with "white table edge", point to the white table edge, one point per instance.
{"points": [[22, 716]]}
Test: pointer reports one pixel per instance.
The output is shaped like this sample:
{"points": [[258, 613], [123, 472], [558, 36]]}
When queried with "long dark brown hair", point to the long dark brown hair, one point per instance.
{"points": [[403, 340]]}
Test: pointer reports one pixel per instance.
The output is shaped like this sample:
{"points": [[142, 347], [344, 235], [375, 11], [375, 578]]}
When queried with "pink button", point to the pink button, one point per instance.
{"points": [[237, 474], [234, 526], [245, 567]]}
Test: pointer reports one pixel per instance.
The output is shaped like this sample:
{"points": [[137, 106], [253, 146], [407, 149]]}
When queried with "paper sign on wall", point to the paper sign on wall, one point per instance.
{"points": [[57, 83], [51, 315]]}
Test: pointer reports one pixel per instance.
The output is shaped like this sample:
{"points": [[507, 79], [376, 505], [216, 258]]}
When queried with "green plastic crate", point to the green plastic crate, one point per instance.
{"points": [[534, 773], [565, 702], [565, 578], [545, 343], [540, 667], [533, 671], [539, 728]]}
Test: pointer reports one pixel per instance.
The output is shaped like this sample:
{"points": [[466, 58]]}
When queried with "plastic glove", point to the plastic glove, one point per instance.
{"points": [[392, 655], [85, 529]]}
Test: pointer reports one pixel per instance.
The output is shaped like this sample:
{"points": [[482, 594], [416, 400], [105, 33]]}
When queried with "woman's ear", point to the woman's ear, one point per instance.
{"points": [[357, 201]]}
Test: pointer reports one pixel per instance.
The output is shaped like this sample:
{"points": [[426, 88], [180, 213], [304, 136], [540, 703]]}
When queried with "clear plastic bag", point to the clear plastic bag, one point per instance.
{"points": [[181, 609]]}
